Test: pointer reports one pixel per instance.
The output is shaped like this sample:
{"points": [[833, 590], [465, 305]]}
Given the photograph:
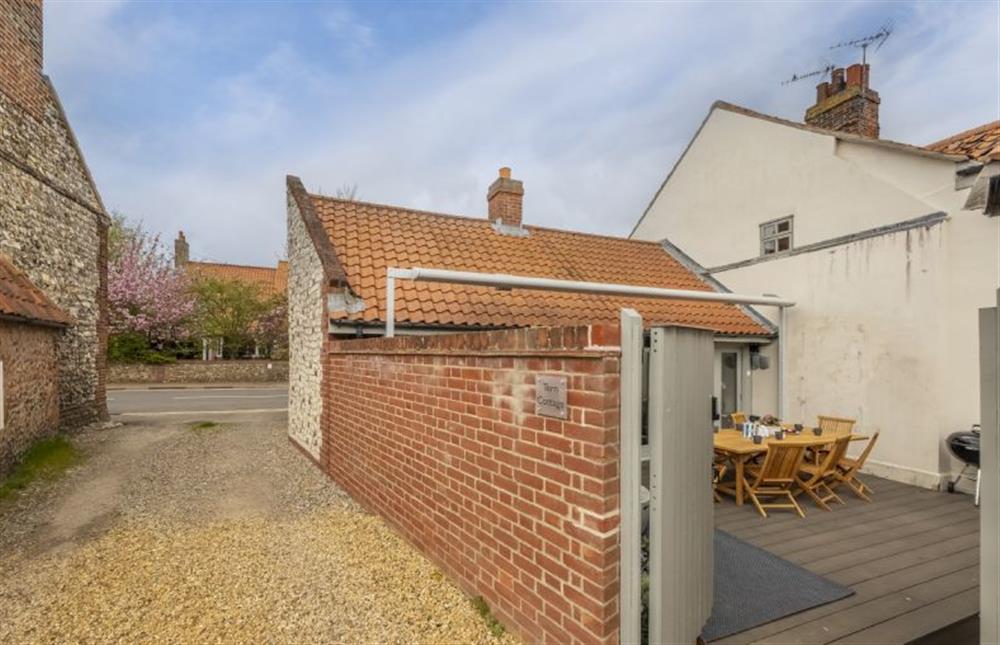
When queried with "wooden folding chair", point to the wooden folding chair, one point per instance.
{"points": [[818, 478], [738, 418], [775, 477], [835, 424], [847, 472], [829, 425], [720, 466]]}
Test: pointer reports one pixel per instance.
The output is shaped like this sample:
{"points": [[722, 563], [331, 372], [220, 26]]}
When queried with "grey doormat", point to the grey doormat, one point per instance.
{"points": [[753, 587]]}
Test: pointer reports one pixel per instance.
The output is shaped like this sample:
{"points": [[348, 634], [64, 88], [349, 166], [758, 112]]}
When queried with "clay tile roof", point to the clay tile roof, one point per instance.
{"points": [[978, 143], [271, 281], [20, 299], [369, 238]]}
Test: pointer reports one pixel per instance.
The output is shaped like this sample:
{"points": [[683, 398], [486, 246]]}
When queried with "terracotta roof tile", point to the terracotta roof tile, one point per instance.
{"points": [[19, 298], [978, 143], [369, 238], [271, 281]]}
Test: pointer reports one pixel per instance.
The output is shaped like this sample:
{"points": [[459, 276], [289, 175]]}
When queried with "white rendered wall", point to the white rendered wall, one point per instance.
{"points": [[741, 171], [884, 331]]}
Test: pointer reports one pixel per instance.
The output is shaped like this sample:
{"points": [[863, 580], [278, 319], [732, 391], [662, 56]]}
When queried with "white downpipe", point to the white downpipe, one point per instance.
{"points": [[390, 300], [550, 284], [782, 364]]}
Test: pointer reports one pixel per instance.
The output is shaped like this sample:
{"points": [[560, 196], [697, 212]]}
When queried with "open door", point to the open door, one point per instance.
{"points": [[728, 379]]}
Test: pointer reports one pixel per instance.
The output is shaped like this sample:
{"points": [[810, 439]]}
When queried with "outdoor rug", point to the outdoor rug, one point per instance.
{"points": [[753, 587]]}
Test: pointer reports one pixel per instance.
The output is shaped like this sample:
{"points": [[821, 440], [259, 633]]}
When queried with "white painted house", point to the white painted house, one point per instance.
{"points": [[888, 249]]}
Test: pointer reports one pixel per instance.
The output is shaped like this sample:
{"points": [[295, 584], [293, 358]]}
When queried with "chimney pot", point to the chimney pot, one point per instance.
{"points": [[822, 91], [504, 200], [837, 79], [856, 76], [181, 251]]}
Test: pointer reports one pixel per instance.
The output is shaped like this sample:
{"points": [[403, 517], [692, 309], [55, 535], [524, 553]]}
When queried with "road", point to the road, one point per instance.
{"points": [[189, 402]]}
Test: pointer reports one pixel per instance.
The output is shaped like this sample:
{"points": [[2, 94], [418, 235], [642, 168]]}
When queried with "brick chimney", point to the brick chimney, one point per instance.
{"points": [[846, 104], [182, 252], [21, 54], [504, 198]]}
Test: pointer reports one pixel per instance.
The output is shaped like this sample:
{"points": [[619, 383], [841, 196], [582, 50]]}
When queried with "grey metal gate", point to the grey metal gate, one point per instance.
{"points": [[681, 511], [989, 463]]}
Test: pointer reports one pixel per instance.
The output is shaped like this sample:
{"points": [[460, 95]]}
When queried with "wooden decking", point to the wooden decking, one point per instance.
{"points": [[911, 557]]}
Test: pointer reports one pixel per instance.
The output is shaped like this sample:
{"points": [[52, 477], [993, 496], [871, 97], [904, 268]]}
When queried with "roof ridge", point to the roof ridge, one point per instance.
{"points": [[480, 220], [846, 136], [230, 264]]}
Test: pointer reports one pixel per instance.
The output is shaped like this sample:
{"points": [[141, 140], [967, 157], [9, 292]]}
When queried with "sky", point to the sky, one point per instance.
{"points": [[190, 115]]}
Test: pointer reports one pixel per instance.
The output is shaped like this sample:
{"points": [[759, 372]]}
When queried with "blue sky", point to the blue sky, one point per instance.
{"points": [[191, 114]]}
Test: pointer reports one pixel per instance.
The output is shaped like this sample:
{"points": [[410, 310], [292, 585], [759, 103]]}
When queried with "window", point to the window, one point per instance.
{"points": [[776, 236]]}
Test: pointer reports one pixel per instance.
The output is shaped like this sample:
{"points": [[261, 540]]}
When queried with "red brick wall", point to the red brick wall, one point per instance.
{"points": [[439, 435], [21, 54], [31, 395]]}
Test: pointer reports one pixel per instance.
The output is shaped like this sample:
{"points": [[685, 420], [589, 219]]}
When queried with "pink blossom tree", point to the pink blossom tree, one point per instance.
{"points": [[147, 295]]}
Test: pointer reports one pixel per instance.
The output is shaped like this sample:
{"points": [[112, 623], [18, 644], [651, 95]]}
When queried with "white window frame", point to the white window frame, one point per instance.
{"points": [[771, 235]]}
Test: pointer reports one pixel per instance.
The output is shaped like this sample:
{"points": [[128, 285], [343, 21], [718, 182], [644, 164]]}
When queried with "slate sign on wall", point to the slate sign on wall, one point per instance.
{"points": [[550, 396]]}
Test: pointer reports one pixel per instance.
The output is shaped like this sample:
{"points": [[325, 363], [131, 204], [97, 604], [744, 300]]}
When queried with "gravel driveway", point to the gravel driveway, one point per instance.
{"points": [[168, 534]]}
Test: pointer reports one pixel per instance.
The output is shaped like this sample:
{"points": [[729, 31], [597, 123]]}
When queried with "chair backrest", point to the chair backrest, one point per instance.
{"points": [[835, 424], [860, 461], [738, 418], [833, 457], [781, 463]]}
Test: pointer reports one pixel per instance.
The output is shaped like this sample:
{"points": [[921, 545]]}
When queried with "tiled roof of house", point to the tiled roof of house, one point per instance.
{"points": [[369, 238], [20, 299], [978, 143], [270, 280]]}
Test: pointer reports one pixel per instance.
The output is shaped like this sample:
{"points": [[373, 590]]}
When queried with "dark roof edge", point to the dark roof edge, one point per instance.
{"points": [[694, 267], [673, 168], [332, 267], [931, 219], [101, 210], [843, 136], [40, 322], [238, 266]]}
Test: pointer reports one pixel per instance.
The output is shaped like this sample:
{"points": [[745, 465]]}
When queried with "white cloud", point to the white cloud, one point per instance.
{"points": [[353, 34], [590, 105], [82, 38]]}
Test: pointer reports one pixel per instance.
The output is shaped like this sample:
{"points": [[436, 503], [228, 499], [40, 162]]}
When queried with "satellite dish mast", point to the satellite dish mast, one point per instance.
{"points": [[878, 39]]}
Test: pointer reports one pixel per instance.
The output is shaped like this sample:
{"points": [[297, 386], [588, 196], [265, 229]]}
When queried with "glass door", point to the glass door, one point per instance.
{"points": [[727, 380]]}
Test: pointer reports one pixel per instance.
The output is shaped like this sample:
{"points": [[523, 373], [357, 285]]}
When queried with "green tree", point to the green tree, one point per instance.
{"points": [[230, 310]]}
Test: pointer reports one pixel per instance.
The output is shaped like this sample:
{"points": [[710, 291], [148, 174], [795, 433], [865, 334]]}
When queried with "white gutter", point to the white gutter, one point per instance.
{"points": [[548, 284]]}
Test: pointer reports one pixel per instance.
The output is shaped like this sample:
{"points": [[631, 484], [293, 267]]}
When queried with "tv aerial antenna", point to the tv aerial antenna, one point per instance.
{"points": [[878, 39], [821, 72]]}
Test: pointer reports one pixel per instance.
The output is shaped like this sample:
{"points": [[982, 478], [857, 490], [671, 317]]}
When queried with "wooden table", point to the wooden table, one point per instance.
{"points": [[739, 450]]}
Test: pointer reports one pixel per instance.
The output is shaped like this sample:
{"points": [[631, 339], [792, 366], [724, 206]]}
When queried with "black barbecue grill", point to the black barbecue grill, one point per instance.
{"points": [[965, 447]]}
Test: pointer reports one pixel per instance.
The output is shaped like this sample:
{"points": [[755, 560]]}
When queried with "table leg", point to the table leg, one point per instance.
{"points": [[740, 461]]}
